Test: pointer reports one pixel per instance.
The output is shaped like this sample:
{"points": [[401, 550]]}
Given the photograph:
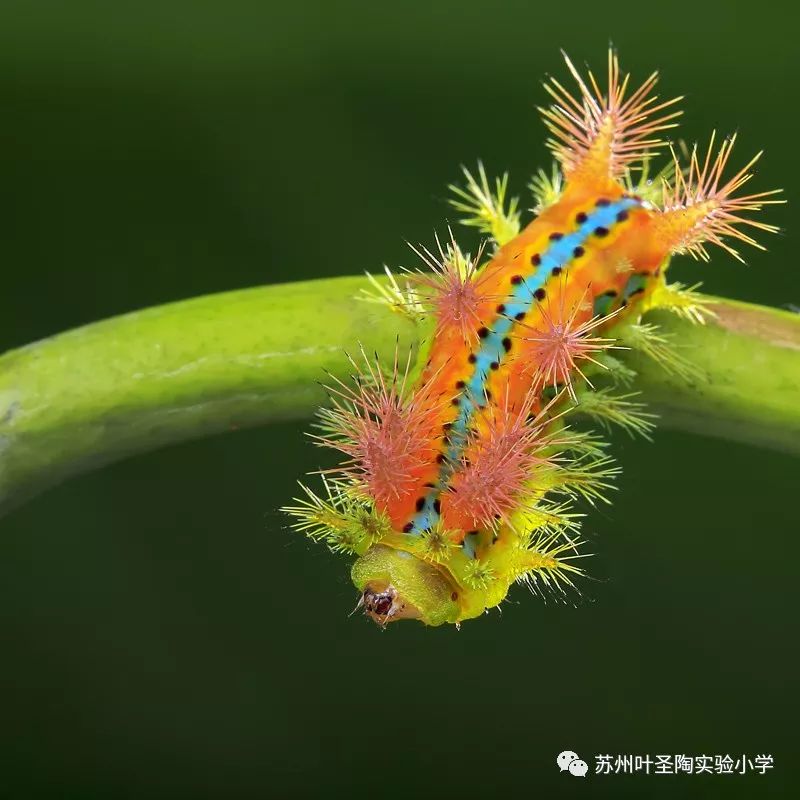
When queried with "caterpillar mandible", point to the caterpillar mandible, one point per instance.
{"points": [[461, 468]]}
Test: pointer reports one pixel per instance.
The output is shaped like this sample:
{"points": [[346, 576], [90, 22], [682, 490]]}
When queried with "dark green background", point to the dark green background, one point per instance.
{"points": [[161, 633]]}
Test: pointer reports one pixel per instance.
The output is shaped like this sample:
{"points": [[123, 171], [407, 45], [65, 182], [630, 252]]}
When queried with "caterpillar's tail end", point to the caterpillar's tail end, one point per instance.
{"points": [[395, 585]]}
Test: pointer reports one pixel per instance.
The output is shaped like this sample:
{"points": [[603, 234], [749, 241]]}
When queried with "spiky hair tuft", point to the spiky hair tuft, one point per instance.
{"points": [[384, 428], [604, 133], [699, 206], [499, 462], [558, 342], [454, 287]]}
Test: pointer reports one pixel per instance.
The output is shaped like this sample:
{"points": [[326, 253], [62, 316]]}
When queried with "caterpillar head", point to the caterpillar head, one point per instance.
{"points": [[397, 585]]}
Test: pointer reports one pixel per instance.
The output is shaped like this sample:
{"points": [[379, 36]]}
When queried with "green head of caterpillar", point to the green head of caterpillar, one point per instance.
{"points": [[434, 580], [395, 584]]}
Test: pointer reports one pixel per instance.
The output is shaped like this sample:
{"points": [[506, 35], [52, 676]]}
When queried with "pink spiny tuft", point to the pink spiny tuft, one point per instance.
{"points": [[558, 341], [699, 207], [626, 129], [454, 288], [385, 431], [500, 459]]}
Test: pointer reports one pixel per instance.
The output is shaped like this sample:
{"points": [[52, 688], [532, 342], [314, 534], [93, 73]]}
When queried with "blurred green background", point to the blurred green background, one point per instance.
{"points": [[162, 634]]}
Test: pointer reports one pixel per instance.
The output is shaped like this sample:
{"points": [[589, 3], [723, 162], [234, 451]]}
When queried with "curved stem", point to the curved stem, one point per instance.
{"points": [[748, 384], [93, 395]]}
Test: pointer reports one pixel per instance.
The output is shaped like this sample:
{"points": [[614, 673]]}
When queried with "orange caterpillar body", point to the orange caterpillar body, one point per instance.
{"points": [[458, 481]]}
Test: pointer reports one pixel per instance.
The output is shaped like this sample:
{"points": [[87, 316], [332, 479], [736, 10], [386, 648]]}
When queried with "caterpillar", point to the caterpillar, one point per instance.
{"points": [[461, 464]]}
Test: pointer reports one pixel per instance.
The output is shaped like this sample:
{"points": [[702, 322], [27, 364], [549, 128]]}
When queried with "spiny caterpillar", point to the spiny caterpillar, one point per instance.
{"points": [[461, 469]]}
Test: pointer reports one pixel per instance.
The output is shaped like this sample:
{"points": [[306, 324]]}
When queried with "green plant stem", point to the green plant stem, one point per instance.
{"points": [[129, 384], [747, 387]]}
